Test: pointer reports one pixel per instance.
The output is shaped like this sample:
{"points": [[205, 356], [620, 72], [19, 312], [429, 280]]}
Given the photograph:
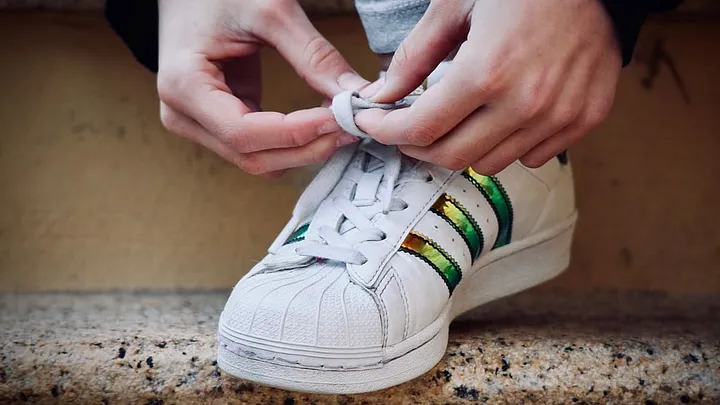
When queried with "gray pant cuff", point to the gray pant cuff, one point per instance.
{"points": [[388, 22]]}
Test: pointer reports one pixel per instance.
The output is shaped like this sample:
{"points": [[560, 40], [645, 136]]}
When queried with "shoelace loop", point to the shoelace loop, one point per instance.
{"points": [[371, 195]]}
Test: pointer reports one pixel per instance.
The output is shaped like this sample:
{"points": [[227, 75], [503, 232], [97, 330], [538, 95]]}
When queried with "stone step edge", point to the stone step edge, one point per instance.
{"points": [[159, 348]]}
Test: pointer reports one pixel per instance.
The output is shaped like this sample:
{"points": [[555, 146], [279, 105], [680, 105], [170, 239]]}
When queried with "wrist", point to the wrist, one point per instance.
{"points": [[627, 17]]}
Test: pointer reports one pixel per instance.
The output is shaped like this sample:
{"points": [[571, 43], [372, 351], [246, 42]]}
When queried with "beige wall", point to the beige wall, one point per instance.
{"points": [[94, 194]]}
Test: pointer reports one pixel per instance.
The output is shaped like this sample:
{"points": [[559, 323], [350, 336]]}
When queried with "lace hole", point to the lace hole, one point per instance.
{"points": [[429, 178], [383, 236]]}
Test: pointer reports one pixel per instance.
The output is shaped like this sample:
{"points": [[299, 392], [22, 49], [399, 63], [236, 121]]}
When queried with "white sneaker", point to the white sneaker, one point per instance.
{"points": [[381, 254]]}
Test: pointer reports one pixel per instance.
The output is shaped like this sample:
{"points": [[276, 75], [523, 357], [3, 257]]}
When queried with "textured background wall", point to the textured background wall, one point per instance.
{"points": [[94, 194]]}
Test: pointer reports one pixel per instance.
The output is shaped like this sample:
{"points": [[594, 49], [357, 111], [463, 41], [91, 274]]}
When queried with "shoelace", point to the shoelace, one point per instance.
{"points": [[373, 194]]}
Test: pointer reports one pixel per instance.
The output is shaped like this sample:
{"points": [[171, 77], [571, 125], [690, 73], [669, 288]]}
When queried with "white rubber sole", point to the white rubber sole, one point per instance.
{"points": [[502, 272]]}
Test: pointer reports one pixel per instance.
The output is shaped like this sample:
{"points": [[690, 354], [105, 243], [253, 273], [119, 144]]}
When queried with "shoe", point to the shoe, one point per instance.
{"points": [[381, 254]]}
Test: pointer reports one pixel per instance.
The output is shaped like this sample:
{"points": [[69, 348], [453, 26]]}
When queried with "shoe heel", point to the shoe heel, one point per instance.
{"points": [[515, 272]]}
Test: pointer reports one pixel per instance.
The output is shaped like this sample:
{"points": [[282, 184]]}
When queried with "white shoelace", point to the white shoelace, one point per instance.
{"points": [[376, 184]]}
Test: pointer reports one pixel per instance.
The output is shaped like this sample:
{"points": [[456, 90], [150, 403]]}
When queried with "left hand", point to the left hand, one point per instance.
{"points": [[530, 78]]}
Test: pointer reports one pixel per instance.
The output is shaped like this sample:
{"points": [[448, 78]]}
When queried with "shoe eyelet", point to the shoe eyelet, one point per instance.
{"points": [[383, 236], [429, 178]]}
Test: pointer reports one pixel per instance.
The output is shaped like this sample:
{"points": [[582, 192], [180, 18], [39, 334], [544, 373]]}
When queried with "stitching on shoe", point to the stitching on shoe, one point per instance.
{"points": [[404, 300], [385, 321], [395, 250], [251, 354]]}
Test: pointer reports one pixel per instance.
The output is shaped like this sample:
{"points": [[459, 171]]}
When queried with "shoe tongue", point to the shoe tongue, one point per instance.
{"points": [[328, 215], [375, 166]]}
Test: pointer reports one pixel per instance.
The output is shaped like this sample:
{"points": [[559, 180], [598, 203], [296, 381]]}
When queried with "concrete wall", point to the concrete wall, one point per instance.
{"points": [[94, 194]]}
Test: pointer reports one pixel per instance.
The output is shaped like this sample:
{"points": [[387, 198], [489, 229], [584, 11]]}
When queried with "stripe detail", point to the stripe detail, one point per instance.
{"points": [[435, 256], [449, 209], [299, 234], [498, 199]]}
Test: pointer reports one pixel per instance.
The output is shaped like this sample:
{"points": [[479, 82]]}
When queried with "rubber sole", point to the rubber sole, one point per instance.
{"points": [[502, 272]]}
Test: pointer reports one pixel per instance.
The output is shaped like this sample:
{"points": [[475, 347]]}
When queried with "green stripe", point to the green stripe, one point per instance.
{"points": [[435, 256], [498, 199], [299, 234], [449, 209]]}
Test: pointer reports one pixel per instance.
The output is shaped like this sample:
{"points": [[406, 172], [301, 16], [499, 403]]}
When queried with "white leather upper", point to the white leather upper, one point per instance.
{"points": [[395, 294]]}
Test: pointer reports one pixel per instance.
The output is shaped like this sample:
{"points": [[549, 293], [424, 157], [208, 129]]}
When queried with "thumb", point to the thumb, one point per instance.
{"points": [[438, 32], [312, 56]]}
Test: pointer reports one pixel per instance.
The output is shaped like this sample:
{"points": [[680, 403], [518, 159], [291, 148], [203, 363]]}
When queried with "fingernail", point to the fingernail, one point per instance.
{"points": [[328, 127], [373, 89], [351, 81], [345, 139]]}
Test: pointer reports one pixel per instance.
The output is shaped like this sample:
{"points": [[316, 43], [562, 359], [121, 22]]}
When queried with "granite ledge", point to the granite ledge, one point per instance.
{"points": [[159, 348]]}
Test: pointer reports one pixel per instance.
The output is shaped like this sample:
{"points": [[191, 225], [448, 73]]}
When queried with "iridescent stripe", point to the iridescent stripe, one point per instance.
{"points": [[496, 196], [435, 256], [460, 219], [299, 234]]}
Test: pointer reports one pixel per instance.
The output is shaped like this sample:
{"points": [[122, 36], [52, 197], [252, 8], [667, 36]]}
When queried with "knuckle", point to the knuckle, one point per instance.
{"points": [[530, 102], [238, 140], [272, 12], [564, 115], [402, 61], [168, 83], [420, 134], [489, 168], [401, 55], [596, 115], [491, 79], [322, 54], [295, 138], [451, 161], [169, 119], [320, 155], [533, 161], [481, 86], [251, 165]]}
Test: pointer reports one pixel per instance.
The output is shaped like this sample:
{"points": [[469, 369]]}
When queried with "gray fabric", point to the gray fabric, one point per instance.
{"points": [[388, 22], [348, 103]]}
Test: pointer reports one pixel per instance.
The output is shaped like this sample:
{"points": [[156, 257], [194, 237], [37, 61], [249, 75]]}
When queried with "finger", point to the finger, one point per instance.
{"points": [[438, 32], [312, 56], [197, 90], [563, 111], [314, 152], [512, 148], [274, 175], [598, 102], [470, 140], [560, 141], [187, 128], [439, 109]]}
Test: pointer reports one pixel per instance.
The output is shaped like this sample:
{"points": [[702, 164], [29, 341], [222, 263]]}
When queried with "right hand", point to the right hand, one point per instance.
{"points": [[209, 81]]}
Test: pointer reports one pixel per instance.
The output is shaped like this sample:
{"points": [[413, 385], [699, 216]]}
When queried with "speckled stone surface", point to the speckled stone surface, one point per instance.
{"points": [[159, 348]]}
